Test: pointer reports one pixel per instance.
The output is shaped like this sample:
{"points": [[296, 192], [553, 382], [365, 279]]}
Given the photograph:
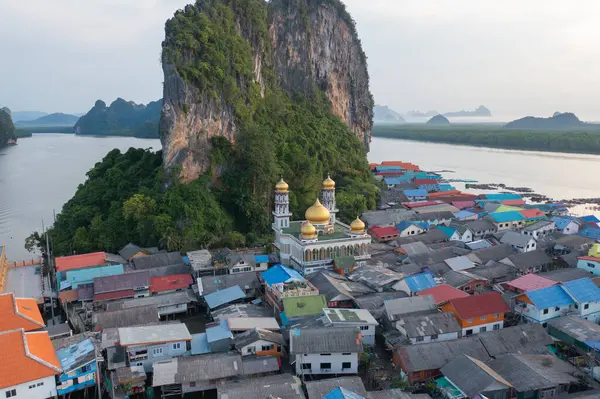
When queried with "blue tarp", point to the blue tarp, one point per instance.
{"points": [[222, 297], [342, 393], [280, 274], [420, 282]]}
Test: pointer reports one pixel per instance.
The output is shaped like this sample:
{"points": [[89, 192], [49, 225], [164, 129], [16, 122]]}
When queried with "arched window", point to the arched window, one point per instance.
{"points": [[315, 254], [343, 251], [362, 249], [307, 257], [323, 255]]}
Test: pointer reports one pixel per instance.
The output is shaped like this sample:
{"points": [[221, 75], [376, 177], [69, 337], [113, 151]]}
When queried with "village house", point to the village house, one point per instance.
{"points": [[376, 277], [451, 233], [317, 389], [418, 329], [434, 218], [478, 313], [344, 264], [270, 386], [415, 283], [360, 319], [458, 263], [189, 374], [168, 304], [244, 263], [443, 293], [416, 195], [222, 298], [492, 254], [465, 281], [532, 215], [528, 282], [248, 282], [147, 344], [130, 251], [594, 251], [128, 285], [508, 220], [586, 295], [495, 272], [74, 278], [581, 334], [29, 365], [465, 234], [481, 228], [543, 304], [201, 262], [259, 342], [400, 307], [419, 363], [566, 224], [170, 284], [529, 262], [384, 234], [590, 231], [540, 229], [125, 317], [408, 228], [590, 264], [427, 184], [519, 242], [301, 306], [78, 357], [312, 351], [338, 291], [282, 282]]}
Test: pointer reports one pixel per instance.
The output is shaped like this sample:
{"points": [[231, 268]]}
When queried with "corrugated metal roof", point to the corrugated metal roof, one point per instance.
{"points": [[280, 274], [443, 293], [415, 193], [342, 393], [200, 344], [583, 290], [218, 332], [127, 281], [318, 389], [319, 340], [530, 282], [152, 334], [74, 262], [508, 216], [222, 297], [479, 305], [76, 355], [549, 297], [85, 276], [459, 263]]}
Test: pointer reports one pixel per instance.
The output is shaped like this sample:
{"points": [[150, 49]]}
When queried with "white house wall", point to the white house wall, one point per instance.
{"points": [[168, 352], [441, 337], [411, 230], [477, 329], [47, 389], [336, 360], [255, 347]]}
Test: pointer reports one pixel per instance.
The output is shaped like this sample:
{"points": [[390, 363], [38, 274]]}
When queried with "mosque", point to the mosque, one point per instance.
{"points": [[311, 245]]}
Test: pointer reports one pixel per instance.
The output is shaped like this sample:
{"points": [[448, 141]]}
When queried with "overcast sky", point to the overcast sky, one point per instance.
{"points": [[518, 58]]}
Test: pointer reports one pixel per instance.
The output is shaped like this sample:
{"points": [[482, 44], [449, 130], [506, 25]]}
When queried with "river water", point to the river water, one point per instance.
{"points": [[41, 173]]}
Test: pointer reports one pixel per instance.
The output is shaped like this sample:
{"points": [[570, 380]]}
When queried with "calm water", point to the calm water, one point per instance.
{"points": [[41, 173]]}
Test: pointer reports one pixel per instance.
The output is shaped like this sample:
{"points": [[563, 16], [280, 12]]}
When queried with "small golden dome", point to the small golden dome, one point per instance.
{"points": [[328, 183], [308, 231], [282, 186], [358, 226], [317, 214]]}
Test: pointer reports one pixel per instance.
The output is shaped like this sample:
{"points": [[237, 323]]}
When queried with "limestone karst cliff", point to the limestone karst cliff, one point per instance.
{"points": [[221, 59]]}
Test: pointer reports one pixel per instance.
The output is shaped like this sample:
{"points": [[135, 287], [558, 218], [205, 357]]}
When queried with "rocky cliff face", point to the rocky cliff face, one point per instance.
{"points": [[307, 44]]}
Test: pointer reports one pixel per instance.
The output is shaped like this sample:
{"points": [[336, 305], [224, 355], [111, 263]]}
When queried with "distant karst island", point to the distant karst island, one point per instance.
{"points": [[438, 120], [384, 114], [559, 120], [481, 111], [56, 119]]}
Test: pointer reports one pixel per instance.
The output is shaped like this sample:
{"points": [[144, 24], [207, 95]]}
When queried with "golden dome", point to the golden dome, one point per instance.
{"points": [[308, 231], [282, 186], [317, 214], [328, 183], [358, 226]]}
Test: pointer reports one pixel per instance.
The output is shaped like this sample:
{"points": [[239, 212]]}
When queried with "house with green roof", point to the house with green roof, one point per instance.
{"points": [[300, 306]]}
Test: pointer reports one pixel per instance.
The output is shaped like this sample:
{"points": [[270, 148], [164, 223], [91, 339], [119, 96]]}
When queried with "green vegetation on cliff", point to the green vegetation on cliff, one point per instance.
{"points": [[277, 134], [121, 118], [7, 128], [586, 141]]}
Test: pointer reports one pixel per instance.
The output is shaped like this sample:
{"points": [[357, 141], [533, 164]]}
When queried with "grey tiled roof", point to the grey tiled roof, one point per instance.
{"points": [[426, 325], [318, 389], [240, 310], [538, 225], [126, 317], [579, 329], [515, 239], [533, 372], [256, 334], [495, 253], [374, 302], [526, 260], [157, 260], [325, 340], [495, 272], [121, 282], [458, 279], [527, 338], [397, 308], [335, 286], [435, 355], [471, 376], [565, 275], [245, 281], [396, 393]]}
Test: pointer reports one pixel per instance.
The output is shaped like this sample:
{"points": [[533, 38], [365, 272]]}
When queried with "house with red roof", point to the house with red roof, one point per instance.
{"points": [[443, 293], [166, 284], [478, 313], [529, 282], [29, 365], [16, 313], [384, 234], [533, 215], [76, 262]]}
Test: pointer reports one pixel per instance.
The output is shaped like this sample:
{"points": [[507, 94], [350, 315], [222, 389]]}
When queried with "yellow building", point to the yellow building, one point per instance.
{"points": [[595, 251]]}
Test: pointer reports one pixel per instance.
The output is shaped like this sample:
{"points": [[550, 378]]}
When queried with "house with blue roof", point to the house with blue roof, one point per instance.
{"points": [[590, 219], [544, 304], [508, 220], [279, 274], [224, 297], [465, 215], [416, 195], [409, 228], [74, 278], [396, 180], [450, 232], [586, 295], [219, 337], [415, 283], [503, 197], [446, 187], [79, 365], [567, 224], [590, 231]]}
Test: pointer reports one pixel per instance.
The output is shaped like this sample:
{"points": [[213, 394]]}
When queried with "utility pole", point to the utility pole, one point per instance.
{"points": [[49, 264]]}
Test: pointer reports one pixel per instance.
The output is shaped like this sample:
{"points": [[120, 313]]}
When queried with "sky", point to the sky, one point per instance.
{"points": [[517, 58]]}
